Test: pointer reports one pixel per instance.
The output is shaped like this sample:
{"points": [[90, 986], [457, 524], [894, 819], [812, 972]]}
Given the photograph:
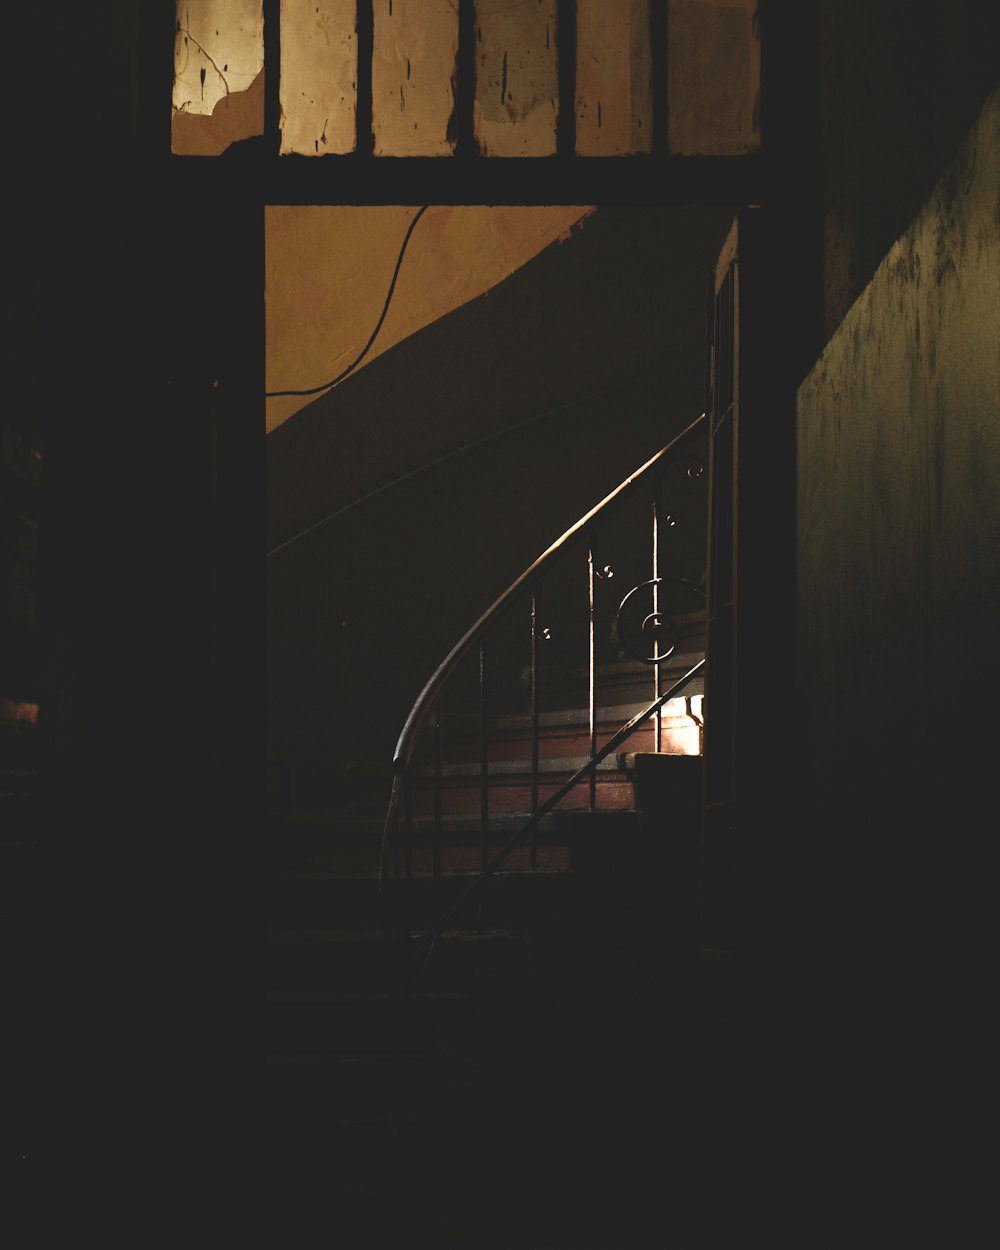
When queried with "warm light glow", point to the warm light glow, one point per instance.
{"points": [[412, 67], [218, 95], [17, 710], [319, 70], [218, 50], [713, 76], [681, 724]]}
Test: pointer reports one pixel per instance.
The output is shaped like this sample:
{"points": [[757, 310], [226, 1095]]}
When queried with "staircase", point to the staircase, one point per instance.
{"points": [[482, 1006], [521, 1096]]}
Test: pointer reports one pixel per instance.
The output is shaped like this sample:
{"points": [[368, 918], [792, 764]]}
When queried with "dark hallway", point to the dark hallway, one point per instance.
{"points": [[855, 1087]]}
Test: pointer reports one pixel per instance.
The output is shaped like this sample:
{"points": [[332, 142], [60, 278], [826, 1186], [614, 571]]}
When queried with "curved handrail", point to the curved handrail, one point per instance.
{"points": [[530, 822], [427, 696]]}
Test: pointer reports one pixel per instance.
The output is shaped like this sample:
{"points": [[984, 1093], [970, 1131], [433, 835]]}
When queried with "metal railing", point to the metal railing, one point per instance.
{"points": [[652, 640]]}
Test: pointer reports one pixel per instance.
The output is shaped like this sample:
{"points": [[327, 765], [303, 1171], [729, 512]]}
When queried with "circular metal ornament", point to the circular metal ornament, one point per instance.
{"points": [[657, 636]]}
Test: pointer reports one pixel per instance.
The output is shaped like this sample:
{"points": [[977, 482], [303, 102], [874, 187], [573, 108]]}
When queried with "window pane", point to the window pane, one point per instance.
{"points": [[613, 78], [218, 94], [416, 42], [713, 76], [319, 81], [517, 79]]}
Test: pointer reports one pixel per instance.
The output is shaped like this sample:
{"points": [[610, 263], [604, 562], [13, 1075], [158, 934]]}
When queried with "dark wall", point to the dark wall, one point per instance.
{"points": [[127, 948], [896, 595], [65, 223], [898, 598], [901, 83], [595, 349], [123, 978]]}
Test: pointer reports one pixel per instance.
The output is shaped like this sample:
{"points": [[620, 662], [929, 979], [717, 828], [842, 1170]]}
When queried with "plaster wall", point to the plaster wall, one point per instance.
{"points": [[898, 597], [899, 496], [329, 268]]}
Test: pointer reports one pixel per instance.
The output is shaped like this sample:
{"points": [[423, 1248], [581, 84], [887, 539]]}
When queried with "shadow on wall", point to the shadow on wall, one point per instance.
{"points": [[595, 349], [898, 598]]}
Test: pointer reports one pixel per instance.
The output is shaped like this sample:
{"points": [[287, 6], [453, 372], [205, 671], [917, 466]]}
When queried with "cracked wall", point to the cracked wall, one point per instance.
{"points": [[713, 86], [218, 93], [415, 46]]}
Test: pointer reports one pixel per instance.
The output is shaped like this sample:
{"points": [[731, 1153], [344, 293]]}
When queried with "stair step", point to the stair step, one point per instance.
{"points": [[567, 731], [552, 769], [340, 1022], [351, 961], [373, 1214], [509, 788], [353, 845], [564, 745], [313, 1149], [325, 1083], [334, 1192], [625, 680], [347, 901], [461, 796], [467, 858]]}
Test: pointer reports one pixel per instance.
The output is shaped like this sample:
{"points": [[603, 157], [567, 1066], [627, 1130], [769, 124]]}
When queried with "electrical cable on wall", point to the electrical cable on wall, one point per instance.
{"points": [[325, 386]]}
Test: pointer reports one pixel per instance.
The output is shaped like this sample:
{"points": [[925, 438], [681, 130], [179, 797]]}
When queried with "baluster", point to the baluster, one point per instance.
{"points": [[398, 834], [592, 695], [484, 780], [404, 894], [438, 771], [535, 608], [657, 669]]}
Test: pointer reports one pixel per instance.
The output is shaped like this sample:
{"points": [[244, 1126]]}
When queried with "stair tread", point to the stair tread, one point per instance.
{"points": [[358, 825], [627, 667], [346, 937], [313, 1119], [335, 1193], [574, 717], [279, 998], [296, 876], [340, 936], [319, 1058], [511, 878], [564, 765]]}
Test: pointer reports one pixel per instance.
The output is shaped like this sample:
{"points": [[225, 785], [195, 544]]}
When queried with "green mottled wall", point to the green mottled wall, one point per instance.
{"points": [[898, 589]]}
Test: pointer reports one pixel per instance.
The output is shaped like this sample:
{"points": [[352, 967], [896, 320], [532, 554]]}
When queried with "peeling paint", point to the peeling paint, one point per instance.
{"points": [[236, 116], [415, 45], [211, 36], [517, 79], [319, 57], [218, 63]]}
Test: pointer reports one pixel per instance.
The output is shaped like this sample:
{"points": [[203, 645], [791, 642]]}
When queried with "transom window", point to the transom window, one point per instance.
{"points": [[494, 78]]}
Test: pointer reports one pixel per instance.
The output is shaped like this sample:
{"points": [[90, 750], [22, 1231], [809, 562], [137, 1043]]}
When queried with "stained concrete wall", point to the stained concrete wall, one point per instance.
{"points": [[898, 603]]}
